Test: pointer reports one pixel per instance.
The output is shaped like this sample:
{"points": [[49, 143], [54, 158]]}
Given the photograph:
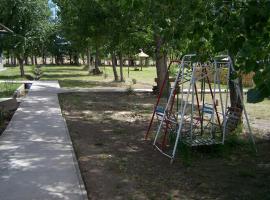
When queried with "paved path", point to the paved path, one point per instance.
{"points": [[36, 154]]}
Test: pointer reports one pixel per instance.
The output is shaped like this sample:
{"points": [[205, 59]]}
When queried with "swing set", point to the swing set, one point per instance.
{"points": [[196, 117]]}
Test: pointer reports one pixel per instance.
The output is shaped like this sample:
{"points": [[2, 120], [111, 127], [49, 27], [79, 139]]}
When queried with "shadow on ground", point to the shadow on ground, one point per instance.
{"points": [[107, 130]]}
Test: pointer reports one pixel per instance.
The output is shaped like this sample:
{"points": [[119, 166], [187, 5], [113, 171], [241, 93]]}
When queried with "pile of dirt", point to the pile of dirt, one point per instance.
{"points": [[7, 109]]}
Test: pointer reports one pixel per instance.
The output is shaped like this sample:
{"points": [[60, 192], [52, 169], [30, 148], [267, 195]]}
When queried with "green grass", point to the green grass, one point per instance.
{"points": [[8, 89], [78, 76], [259, 110], [13, 73]]}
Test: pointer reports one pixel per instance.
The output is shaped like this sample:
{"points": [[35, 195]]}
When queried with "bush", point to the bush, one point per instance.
{"points": [[134, 81], [173, 70]]}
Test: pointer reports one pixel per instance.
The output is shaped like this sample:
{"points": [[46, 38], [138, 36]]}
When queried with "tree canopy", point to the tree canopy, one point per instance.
{"points": [[163, 28]]}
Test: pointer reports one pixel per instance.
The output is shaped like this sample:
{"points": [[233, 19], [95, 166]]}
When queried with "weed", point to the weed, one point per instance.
{"points": [[130, 90], [134, 81], [105, 75]]}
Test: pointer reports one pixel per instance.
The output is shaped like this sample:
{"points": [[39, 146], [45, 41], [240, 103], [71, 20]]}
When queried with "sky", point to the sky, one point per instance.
{"points": [[53, 8]]}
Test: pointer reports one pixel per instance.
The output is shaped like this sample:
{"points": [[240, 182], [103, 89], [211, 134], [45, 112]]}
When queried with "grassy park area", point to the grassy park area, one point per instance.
{"points": [[8, 89], [134, 100], [78, 76]]}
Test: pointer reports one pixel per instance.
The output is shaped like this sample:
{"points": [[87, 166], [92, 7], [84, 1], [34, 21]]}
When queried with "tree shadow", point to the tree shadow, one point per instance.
{"points": [[87, 84]]}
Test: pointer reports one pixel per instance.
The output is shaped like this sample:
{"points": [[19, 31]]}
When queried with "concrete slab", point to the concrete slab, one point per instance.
{"points": [[36, 153]]}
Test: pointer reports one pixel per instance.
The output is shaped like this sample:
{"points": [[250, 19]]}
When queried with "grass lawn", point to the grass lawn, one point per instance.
{"points": [[8, 89], [78, 76], [13, 73]]}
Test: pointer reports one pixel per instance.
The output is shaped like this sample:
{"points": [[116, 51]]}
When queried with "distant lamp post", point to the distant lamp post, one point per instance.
{"points": [[142, 56], [3, 31]]}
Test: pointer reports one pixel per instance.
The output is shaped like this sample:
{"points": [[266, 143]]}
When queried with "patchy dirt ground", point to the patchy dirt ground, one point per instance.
{"points": [[4, 120], [107, 131]]}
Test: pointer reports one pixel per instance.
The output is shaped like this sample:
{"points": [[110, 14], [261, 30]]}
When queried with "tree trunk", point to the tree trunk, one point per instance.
{"points": [[52, 60], [114, 67], [32, 60], [161, 66], [20, 59], [235, 98], [121, 67], [70, 59], [88, 55], [13, 60], [83, 59], [97, 71], [115, 61], [26, 60], [76, 59], [7, 62], [36, 60]]}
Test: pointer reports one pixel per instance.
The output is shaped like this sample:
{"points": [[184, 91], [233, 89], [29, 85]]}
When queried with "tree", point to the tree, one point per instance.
{"points": [[241, 28], [166, 21], [28, 20]]}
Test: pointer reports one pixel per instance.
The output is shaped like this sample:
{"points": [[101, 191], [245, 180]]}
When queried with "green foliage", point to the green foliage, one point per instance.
{"points": [[29, 20], [173, 70], [161, 27], [7, 89]]}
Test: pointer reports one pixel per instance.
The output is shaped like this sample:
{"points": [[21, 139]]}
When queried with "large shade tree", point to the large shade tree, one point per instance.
{"points": [[29, 20], [241, 30]]}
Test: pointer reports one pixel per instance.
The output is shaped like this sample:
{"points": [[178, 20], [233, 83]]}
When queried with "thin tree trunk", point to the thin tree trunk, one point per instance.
{"points": [[88, 55], [76, 59], [32, 60], [20, 59], [115, 61], [97, 71], [161, 66], [26, 60], [121, 67], [114, 67], [83, 59], [52, 60], [70, 59], [7, 62], [13, 60], [236, 102], [36, 60]]}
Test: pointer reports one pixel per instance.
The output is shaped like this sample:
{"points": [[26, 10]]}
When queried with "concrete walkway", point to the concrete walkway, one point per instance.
{"points": [[36, 154]]}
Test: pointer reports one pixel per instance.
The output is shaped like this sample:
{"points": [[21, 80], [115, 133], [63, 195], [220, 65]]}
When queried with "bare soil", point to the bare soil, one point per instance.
{"points": [[107, 131]]}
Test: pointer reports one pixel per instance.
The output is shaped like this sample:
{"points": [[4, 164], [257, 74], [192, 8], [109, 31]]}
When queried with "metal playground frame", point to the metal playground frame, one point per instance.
{"points": [[188, 115]]}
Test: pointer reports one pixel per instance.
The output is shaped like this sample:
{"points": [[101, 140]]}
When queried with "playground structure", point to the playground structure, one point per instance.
{"points": [[195, 116]]}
